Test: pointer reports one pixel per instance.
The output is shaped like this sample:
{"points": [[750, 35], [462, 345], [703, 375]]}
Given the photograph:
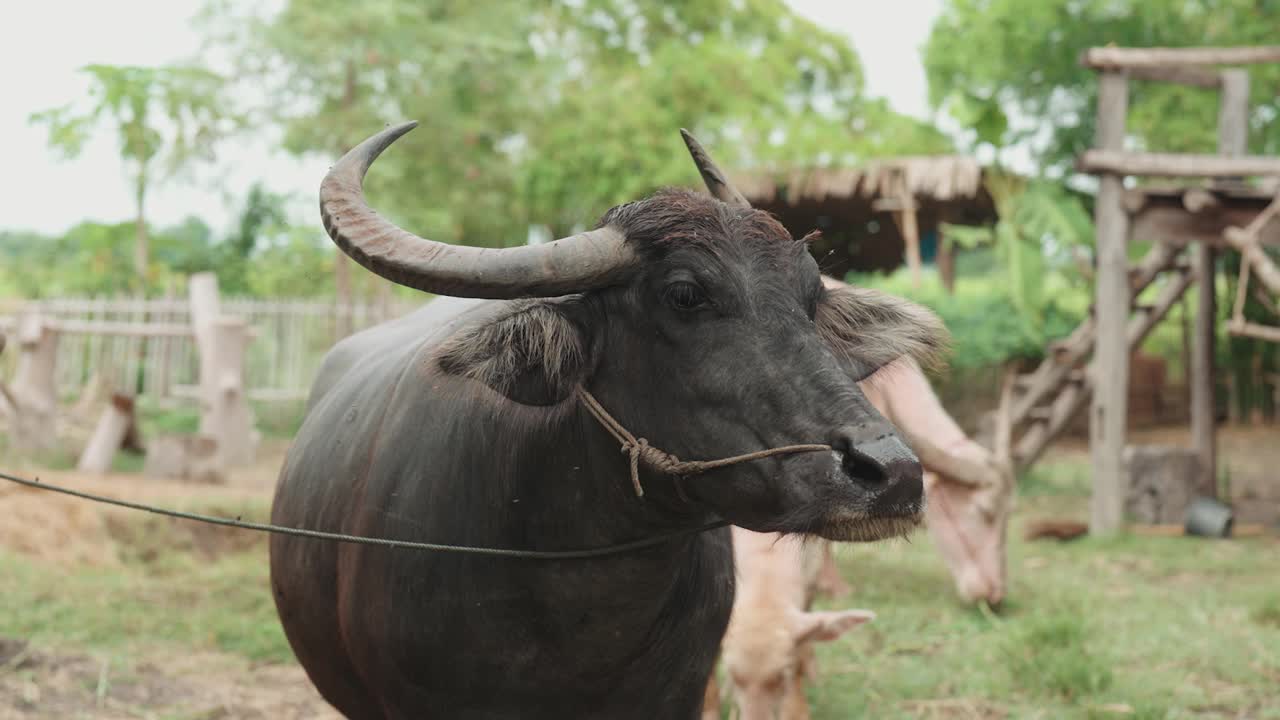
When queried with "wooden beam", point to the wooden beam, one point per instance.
{"points": [[1179, 75], [1121, 162], [1133, 199], [122, 329], [1202, 396], [892, 204], [1162, 219], [1198, 200], [1111, 358], [1114, 58], [1255, 330]]}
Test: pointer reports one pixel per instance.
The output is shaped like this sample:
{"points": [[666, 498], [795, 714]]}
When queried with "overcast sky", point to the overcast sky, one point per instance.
{"points": [[41, 53]]}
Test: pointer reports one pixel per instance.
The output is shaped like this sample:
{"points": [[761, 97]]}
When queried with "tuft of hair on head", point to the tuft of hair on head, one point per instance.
{"points": [[532, 340], [871, 329]]}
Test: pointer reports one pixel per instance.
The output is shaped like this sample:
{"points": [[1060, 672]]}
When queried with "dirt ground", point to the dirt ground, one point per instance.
{"points": [[42, 683], [57, 684]]}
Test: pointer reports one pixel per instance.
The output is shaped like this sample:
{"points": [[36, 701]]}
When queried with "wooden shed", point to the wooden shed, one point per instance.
{"points": [[877, 216]]}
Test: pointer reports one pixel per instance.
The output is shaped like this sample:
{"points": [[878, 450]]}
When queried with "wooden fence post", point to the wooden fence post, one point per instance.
{"points": [[227, 415], [34, 382], [1109, 411], [109, 435], [222, 343]]}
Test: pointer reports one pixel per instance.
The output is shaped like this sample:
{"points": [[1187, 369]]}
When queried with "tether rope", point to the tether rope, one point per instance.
{"points": [[638, 449], [361, 540]]}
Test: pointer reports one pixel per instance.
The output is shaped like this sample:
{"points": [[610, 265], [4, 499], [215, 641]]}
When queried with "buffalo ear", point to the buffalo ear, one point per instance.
{"points": [[532, 351], [868, 329], [828, 625]]}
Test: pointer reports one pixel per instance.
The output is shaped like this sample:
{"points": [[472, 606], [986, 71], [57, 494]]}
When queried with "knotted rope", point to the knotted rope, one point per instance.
{"points": [[639, 450], [363, 540]]}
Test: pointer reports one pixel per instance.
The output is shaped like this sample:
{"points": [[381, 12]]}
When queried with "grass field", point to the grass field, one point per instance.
{"points": [[1134, 627]]}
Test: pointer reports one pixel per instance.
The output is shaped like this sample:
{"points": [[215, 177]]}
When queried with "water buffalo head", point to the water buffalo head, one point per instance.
{"points": [[702, 326]]}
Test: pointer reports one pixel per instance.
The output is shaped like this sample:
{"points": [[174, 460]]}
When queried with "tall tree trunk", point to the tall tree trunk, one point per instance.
{"points": [[140, 254]]}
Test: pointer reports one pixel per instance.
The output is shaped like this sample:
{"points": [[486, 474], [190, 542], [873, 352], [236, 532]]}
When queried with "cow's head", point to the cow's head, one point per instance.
{"points": [[702, 326]]}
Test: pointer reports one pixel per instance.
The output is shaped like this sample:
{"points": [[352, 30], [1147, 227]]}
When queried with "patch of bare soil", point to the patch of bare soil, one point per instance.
{"points": [[61, 529], [38, 684]]}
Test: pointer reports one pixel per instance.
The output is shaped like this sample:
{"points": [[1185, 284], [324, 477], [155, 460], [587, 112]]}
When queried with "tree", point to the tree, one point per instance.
{"points": [[563, 108], [760, 84], [261, 217], [164, 117], [990, 60]]}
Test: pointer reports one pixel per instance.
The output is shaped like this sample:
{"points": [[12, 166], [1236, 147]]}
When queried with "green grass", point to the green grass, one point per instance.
{"points": [[177, 587], [1123, 627], [1160, 627]]}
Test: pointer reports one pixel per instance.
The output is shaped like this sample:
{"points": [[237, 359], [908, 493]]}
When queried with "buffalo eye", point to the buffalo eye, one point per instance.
{"points": [[685, 296]]}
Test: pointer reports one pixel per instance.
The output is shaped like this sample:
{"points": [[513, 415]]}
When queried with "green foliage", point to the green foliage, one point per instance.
{"points": [[295, 265], [93, 258], [561, 110], [261, 219], [260, 256], [165, 119], [333, 72], [1040, 228], [986, 58], [986, 328], [133, 99]]}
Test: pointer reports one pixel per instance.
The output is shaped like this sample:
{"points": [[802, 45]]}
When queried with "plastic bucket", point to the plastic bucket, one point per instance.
{"points": [[1207, 517]]}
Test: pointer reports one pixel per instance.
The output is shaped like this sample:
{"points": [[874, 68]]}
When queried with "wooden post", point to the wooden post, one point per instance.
{"points": [[202, 288], [109, 435], [946, 262], [1109, 410], [227, 416], [34, 383], [909, 227], [1233, 134], [1202, 396], [222, 343], [1233, 113]]}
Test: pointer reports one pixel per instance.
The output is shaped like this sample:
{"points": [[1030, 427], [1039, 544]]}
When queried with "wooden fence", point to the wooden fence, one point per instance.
{"points": [[291, 339]]}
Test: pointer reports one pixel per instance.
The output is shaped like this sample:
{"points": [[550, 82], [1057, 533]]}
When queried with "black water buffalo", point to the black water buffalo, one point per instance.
{"points": [[701, 326]]}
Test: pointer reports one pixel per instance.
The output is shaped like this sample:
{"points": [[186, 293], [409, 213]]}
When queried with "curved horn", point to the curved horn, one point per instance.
{"points": [[717, 183], [573, 264]]}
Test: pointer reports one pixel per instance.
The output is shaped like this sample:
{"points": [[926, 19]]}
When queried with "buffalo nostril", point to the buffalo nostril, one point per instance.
{"points": [[864, 469]]}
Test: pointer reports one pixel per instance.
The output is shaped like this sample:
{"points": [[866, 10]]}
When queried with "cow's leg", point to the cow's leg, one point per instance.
{"points": [[830, 581], [795, 706]]}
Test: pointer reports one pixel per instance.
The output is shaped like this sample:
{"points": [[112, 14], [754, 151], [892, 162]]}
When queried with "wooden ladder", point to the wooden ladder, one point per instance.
{"points": [[1248, 241], [1041, 403]]}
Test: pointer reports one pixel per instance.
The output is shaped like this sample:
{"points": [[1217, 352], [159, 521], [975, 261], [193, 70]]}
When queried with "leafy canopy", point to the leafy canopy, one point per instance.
{"points": [[550, 112], [989, 59]]}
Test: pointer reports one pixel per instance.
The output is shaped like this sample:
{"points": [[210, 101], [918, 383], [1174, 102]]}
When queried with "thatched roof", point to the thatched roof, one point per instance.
{"points": [[930, 177]]}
